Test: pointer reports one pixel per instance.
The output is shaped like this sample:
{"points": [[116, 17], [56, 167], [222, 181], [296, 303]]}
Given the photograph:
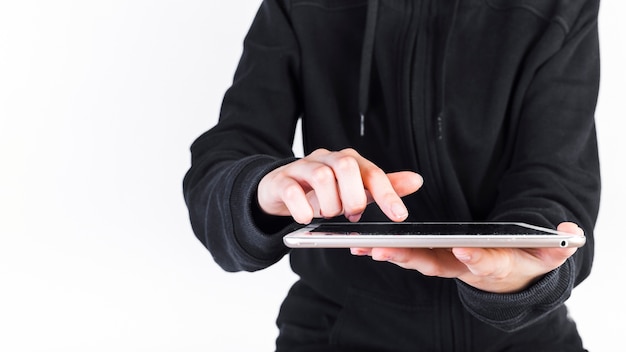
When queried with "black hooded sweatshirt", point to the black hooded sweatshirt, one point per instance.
{"points": [[491, 101]]}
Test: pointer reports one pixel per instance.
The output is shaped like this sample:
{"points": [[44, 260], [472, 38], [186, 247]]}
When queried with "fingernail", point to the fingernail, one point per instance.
{"points": [[354, 218], [359, 251], [381, 257], [399, 210], [356, 251], [463, 256]]}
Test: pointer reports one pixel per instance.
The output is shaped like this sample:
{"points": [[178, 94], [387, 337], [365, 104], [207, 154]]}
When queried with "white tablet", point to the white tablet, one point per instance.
{"points": [[429, 235]]}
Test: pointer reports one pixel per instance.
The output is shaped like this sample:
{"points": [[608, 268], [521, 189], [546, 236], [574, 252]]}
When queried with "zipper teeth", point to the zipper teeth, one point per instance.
{"points": [[416, 15], [412, 48], [431, 126]]}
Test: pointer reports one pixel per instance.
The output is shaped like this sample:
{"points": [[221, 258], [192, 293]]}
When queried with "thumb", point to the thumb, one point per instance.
{"points": [[570, 227]]}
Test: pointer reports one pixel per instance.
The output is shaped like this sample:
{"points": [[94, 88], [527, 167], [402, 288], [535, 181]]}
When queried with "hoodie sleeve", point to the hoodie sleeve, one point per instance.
{"points": [[253, 136], [554, 175]]}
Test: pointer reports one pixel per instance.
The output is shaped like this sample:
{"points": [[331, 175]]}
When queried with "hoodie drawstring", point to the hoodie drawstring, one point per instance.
{"points": [[366, 61]]}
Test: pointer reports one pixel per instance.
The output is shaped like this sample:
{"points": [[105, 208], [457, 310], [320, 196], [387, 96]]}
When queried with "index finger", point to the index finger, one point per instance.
{"points": [[379, 186]]}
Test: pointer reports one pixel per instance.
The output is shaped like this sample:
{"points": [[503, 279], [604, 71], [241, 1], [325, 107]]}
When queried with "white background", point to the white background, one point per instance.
{"points": [[99, 102]]}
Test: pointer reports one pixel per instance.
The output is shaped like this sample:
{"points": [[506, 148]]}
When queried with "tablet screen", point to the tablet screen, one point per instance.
{"points": [[427, 229]]}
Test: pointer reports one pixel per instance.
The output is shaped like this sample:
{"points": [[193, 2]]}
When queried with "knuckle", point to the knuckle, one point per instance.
{"points": [[349, 151], [374, 173], [280, 174], [346, 164], [322, 175], [319, 151], [291, 192]]}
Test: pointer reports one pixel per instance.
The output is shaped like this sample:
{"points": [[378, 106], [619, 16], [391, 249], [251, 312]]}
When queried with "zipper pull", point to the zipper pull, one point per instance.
{"points": [[362, 126], [440, 126]]}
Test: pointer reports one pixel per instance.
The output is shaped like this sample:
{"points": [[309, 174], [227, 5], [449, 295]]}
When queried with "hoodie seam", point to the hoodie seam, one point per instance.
{"points": [[321, 6], [558, 19]]}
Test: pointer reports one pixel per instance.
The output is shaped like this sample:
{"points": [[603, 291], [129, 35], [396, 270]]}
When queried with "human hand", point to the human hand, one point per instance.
{"points": [[498, 270], [328, 184]]}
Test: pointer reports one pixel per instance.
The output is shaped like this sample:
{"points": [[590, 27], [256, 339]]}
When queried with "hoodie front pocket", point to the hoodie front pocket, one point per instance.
{"points": [[370, 323]]}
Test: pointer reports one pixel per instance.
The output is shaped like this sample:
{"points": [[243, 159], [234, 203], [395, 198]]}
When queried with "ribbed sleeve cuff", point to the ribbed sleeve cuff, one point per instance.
{"points": [[259, 246], [511, 312]]}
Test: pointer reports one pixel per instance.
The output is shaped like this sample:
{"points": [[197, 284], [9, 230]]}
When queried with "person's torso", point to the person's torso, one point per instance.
{"points": [[446, 88]]}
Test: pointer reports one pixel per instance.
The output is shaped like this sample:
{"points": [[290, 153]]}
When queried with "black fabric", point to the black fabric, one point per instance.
{"points": [[513, 140], [369, 322]]}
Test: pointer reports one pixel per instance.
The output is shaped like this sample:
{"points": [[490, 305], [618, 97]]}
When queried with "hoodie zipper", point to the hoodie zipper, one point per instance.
{"points": [[367, 56], [423, 133]]}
